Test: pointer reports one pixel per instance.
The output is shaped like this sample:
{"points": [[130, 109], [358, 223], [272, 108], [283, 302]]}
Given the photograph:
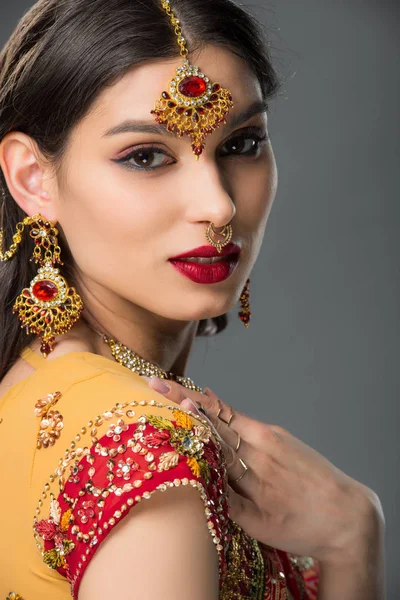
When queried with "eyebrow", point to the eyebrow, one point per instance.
{"points": [[134, 126]]}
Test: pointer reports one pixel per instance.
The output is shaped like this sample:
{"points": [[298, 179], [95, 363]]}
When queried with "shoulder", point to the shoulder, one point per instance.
{"points": [[124, 444]]}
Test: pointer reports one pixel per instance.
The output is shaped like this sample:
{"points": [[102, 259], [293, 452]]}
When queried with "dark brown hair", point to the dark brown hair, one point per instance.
{"points": [[60, 56]]}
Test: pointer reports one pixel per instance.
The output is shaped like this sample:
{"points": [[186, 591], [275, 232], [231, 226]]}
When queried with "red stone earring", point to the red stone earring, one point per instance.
{"points": [[192, 105], [49, 306], [245, 312]]}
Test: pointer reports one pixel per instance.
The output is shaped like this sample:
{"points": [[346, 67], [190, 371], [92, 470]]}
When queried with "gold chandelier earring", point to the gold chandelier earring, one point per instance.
{"points": [[245, 312], [193, 104], [48, 307]]}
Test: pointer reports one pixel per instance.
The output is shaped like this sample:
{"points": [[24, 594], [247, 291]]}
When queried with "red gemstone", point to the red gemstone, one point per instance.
{"points": [[192, 86], [45, 349], [45, 290]]}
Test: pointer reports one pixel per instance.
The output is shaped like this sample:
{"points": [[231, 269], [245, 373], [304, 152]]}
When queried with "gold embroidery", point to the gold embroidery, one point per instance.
{"points": [[188, 442], [51, 423], [14, 596], [246, 573], [54, 529]]}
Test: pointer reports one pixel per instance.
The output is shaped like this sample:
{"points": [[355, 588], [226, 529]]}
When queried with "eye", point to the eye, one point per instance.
{"points": [[150, 158], [247, 143], [144, 159]]}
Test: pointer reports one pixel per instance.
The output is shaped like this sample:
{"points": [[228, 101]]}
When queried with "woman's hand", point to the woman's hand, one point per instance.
{"points": [[291, 497]]}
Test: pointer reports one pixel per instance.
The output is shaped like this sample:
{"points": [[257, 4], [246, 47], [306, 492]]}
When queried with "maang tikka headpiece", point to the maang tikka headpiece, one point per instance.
{"points": [[192, 105]]}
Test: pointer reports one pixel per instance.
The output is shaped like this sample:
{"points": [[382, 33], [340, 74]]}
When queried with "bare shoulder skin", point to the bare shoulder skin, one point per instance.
{"points": [[161, 549]]}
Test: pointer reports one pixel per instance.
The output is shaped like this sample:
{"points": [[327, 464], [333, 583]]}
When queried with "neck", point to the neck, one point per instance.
{"points": [[164, 342], [169, 352]]}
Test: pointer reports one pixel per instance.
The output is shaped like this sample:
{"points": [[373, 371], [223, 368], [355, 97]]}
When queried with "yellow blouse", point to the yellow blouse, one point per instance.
{"points": [[83, 439]]}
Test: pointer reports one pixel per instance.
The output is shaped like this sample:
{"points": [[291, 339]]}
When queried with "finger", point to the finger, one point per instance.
{"points": [[256, 433], [182, 395], [170, 389]]}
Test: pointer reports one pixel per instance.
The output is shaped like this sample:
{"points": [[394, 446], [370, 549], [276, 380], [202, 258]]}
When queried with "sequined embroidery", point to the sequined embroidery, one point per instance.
{"points": [[246, 573], [51, 422], [137, 457], [14, 596]]}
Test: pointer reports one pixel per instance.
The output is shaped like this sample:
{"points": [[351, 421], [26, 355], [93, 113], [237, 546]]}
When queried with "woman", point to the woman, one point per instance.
{"points": [[102, 116]]}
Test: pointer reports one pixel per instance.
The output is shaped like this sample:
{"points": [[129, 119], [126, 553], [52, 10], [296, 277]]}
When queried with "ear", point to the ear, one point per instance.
{"points": [[28, 175]]}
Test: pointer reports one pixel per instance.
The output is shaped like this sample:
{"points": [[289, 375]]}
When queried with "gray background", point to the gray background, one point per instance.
{"points": [[320, 357]]}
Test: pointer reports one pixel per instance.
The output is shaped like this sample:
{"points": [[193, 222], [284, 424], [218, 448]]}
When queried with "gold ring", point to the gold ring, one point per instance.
{"points": [[230, 417], [244, 472], [238, 442], [219, 412]]}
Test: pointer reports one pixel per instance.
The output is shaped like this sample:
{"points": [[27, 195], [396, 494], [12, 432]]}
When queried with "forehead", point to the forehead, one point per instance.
{"points": [[135, 94]]}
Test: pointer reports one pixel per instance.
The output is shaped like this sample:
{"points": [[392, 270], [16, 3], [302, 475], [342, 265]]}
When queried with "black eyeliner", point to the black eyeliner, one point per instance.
{"points": [[252, 131]]}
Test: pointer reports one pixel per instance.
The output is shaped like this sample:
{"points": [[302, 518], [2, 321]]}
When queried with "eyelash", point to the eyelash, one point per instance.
{"points": [[257, 137]]}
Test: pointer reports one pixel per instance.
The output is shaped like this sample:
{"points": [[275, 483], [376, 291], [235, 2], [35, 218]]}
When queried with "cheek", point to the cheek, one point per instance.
{"points": [[109, 217], [258, 190]]}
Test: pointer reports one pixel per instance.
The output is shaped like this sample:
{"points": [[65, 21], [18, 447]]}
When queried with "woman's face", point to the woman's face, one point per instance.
{"points": [[123, 223]]}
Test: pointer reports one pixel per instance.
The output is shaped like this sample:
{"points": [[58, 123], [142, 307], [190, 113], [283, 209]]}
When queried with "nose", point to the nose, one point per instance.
{"points": [[209, 194]]}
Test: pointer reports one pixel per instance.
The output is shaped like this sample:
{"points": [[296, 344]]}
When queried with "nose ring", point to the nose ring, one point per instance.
{"points": [[226, 232]]}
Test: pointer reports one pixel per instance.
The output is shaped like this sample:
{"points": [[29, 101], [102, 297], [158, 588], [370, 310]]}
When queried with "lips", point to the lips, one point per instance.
{"points": [[209, 251], [207, 273]]}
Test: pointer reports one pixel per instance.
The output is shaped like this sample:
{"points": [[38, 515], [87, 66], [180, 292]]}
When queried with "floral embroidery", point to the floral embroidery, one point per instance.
{"points": [[14, 596], [99, 482], [116, 430], [51, 423], [87, 511], [53, 530], [75, 471], [125, 467], [187, 438]]}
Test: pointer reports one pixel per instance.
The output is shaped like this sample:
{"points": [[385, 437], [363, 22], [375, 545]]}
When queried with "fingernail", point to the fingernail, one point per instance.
{"points": [[188, 403], [157, 384]]}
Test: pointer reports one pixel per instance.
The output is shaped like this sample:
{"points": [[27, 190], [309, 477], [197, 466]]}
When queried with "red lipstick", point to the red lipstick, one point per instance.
{"points": [[211, 272], [209, 251]]}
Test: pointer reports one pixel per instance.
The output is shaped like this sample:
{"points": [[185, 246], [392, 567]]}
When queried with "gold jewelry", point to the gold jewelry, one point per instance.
{"points": [[238, 442], [230, 417], [245, 312], [226, 231], [193, 105], [244, 472], [49, 306], [130, 359], [219, 412], [134, 362]]}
